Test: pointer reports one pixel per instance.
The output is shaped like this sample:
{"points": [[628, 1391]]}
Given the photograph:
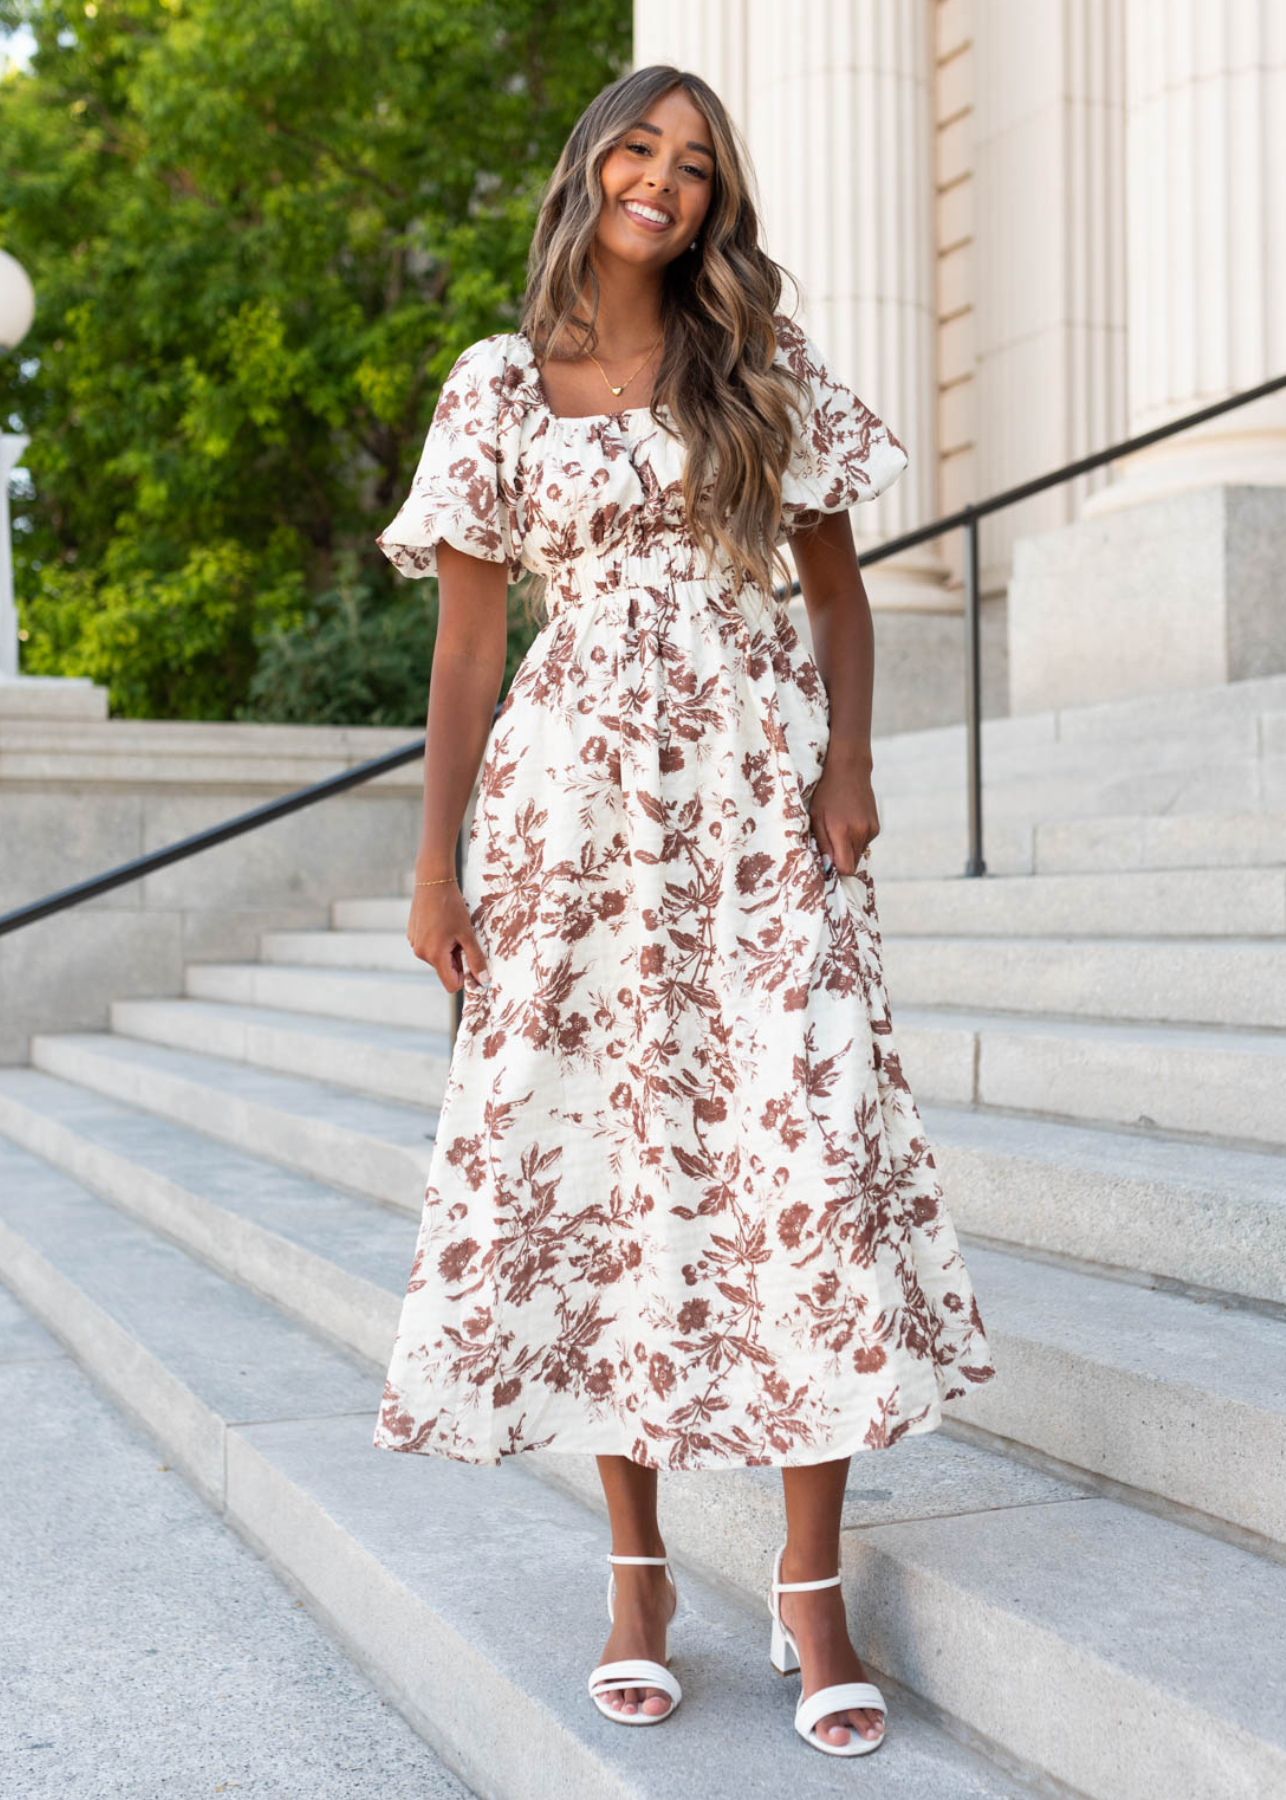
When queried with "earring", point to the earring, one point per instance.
{"points": [[693, 244]]}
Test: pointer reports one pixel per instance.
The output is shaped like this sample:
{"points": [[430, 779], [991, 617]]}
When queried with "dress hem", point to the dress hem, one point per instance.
{"points": [[918, 1426]]}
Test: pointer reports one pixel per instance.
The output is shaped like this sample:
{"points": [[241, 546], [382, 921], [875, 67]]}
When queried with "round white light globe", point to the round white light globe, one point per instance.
{"points": [[17, 301]]}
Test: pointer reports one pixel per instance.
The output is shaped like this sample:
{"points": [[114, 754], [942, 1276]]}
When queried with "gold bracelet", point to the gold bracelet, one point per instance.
{"points": [[437, 883]]}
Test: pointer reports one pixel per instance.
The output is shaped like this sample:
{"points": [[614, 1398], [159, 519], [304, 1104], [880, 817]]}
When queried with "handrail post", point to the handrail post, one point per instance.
{"points": [[974, 864]]}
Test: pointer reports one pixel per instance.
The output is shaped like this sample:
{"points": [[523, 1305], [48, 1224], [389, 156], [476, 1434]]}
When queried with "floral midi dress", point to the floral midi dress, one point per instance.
{"points": [[681, 1206]]}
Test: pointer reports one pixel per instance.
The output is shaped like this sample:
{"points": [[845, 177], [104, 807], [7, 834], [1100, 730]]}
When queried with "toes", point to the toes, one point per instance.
{"points": [[633, 1700], [836, 1728]]}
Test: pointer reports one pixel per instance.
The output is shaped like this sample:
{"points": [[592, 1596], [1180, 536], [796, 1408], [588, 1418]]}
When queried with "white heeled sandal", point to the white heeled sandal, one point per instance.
{"points": [[635, 1671], [784, 1655]]}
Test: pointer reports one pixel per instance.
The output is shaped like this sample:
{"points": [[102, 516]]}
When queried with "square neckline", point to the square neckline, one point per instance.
{"points": [[538, 387]]}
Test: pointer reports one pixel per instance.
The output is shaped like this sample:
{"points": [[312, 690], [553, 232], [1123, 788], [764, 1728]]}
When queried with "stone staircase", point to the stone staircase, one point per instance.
{"points": [[1076, 1587]]}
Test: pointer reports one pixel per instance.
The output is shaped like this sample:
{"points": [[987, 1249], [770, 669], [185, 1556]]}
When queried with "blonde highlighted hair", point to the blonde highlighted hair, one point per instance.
{"points": [[731, 402]]}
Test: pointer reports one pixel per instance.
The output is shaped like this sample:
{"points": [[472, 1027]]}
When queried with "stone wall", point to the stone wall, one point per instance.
{"points": [[79, 795]]}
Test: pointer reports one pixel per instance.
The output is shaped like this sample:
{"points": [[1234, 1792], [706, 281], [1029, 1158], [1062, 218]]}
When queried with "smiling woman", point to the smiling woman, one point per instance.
{"points": [[656, 183], [647, 282], [681, 1210]]}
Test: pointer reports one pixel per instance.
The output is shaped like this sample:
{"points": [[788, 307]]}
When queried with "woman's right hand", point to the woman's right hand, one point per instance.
{"points": [[440, 931]]}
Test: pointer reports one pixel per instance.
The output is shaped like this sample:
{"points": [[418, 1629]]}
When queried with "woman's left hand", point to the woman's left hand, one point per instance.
{"points": [[843, 813]]}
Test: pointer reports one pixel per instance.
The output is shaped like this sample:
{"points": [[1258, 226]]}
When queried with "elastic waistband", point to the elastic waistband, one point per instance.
{"points": [[588, 576], [588, 579]]}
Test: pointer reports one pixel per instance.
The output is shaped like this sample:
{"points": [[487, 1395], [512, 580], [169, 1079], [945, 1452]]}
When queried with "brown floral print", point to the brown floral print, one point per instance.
{"points": [[681, 1205]]}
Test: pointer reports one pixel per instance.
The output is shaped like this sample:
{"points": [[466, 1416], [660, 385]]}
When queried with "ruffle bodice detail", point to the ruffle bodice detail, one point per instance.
{"points": [[503, 477]]}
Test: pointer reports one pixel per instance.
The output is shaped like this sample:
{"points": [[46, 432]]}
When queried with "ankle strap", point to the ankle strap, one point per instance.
{"points": [[794, 1587], [637, 1559]]}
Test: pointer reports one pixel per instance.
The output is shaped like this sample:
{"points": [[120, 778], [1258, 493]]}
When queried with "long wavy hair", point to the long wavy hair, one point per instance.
{"points": [[730, 402]]}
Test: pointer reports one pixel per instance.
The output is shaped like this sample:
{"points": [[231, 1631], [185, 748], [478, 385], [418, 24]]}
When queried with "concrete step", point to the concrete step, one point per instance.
{"points": [[1217, 840], [1209, 1215], [1134, 904], [1144, 903], [344, 950], [325, 1256], [189, 1352], [1247, 784], [1222, 981], [369, 915], [136, 1608], [1168, 1395], [1174, 1396], [1125, 840], [414, 999], [1137, 720], [1164, 1210], [1188, 1079], [392, 1061], [189, 752], [411, 1560], [1230, 981], [1231, 740], [340, 746], [371, 1147]]}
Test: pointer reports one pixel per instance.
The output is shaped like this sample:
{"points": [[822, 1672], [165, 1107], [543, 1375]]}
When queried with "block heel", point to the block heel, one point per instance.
{"points": [[781, 1651]]}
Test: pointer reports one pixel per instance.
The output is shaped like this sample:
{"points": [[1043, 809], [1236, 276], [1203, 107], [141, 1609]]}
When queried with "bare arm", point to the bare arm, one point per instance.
{"points": [[842, 807], [464, 685]]}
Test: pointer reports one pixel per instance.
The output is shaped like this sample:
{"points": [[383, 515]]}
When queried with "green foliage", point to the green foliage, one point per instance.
{"points": [[260, 232], [358, 655], [353, 659]]}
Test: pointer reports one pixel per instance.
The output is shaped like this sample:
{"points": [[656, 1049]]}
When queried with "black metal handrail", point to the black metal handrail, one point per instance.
{"points": [[213, 834], [967, 517]]}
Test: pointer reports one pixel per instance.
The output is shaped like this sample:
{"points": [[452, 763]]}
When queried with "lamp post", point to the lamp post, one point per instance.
{"points": [[17, 309]]}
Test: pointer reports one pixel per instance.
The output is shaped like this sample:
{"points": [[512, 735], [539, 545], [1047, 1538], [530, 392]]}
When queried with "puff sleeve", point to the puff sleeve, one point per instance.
{"points": [[460, 491], [842, 453]]}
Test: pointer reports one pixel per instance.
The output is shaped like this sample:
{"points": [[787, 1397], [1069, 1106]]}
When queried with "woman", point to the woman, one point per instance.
{"points": [[681, 1212]]}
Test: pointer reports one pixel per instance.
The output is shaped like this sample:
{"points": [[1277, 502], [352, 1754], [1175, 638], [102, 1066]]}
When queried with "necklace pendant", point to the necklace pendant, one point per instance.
{"points": [[619, 390]]}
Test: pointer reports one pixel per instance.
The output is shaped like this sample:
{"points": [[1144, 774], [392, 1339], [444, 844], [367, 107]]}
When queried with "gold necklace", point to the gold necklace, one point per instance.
{"points": [[620, 390]]}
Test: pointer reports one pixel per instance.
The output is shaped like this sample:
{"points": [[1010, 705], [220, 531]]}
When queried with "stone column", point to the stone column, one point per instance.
{"points": [[32, 696], [1173, 574], [1206, 220], [839, 121]]}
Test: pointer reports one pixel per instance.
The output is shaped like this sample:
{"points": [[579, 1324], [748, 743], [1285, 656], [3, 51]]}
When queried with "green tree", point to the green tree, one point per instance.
{"points": [[260, 233]]}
